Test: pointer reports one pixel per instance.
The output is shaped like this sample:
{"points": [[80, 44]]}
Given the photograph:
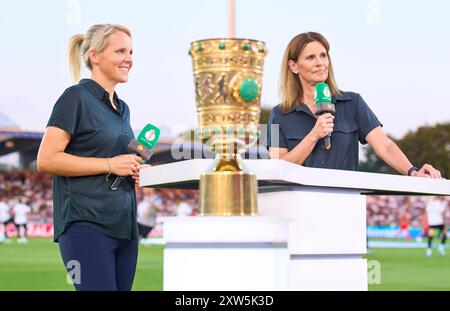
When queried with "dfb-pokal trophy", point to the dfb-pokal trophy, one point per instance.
{"points": [[228, 78]]}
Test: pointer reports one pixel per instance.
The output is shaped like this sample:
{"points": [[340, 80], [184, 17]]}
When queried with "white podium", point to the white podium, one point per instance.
{"points": [[225, 253], [320, 213]]}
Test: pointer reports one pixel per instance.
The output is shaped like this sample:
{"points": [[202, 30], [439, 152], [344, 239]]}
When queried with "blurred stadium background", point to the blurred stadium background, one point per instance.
{"points": [[396, 226]]}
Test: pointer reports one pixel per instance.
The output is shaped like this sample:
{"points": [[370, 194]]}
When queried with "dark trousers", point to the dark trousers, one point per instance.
{"points": [[24, 231], [5, 224], [97, 262], [442, 234], [144, 230]]}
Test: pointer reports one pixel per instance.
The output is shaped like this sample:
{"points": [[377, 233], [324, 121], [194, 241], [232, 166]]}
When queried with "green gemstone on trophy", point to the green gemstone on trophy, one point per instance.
{"points": [[246, 46], [262, 50], [197, 133], [323, 94], [249, 89], [222, 45], [199, 48]]}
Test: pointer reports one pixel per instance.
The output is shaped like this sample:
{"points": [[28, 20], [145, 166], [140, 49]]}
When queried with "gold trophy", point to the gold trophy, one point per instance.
{"points": [[228, 79]]}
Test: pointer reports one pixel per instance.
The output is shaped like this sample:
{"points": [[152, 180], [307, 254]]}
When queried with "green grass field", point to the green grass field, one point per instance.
{"points": [[409, 269], [38, 266]]}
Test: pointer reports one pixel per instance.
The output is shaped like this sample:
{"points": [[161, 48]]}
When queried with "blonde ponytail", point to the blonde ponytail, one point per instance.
{"points": [[74, 53]]}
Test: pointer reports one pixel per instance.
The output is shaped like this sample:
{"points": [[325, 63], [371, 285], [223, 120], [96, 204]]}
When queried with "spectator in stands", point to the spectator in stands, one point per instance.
{"points": [[85, 147], [184, 208], [404, 223], [425, 227], [36, 187], [436, 213]]}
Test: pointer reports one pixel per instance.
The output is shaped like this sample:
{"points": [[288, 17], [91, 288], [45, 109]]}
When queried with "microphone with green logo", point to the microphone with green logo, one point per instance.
{"points": [[322, 99], [141, 146]]}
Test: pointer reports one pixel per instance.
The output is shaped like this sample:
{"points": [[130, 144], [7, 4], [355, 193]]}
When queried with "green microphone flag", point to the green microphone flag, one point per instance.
{"points": [[147, 140], [149, 136], [322, 99], [322, 93]]}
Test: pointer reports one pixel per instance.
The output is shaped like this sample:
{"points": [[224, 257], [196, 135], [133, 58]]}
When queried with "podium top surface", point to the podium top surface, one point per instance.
{"points": [[186, 175]]}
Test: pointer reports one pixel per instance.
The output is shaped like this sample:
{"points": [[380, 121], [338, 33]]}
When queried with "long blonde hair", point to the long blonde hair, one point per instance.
{"points": [[95, 39], [290, 87]]}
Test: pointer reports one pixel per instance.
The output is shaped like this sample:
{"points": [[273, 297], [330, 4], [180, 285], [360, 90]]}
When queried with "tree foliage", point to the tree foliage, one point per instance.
{"points": [[426, 145]]}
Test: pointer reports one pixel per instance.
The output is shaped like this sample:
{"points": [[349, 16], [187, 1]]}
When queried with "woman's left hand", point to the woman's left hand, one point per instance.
{"points": [[135, 176], [427, 171]]}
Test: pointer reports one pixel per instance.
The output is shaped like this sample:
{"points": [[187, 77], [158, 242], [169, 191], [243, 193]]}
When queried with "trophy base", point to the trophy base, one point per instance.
{"points": [[228, 194]]}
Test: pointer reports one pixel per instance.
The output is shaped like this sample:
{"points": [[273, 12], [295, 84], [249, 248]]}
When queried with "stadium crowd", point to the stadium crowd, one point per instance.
{"points": [[35, 190]]}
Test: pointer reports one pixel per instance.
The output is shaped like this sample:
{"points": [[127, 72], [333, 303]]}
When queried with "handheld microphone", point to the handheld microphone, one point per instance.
{"points": [[322, 99], [141, 146]]}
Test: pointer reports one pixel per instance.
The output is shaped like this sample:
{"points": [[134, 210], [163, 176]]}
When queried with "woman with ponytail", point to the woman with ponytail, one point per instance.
{"points": [[85, 148]]}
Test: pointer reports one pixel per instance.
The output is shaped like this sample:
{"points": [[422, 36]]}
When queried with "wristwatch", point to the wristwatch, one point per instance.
{"points": [[411, 169]]}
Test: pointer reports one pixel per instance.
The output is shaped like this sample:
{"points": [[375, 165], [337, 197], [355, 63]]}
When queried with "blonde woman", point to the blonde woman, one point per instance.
{"points": [[85, 147], [307, 62]]}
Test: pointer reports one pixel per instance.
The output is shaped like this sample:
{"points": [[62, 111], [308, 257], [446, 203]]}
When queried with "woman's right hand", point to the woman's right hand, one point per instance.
{"points": [[125, 164], [324, 125]]}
